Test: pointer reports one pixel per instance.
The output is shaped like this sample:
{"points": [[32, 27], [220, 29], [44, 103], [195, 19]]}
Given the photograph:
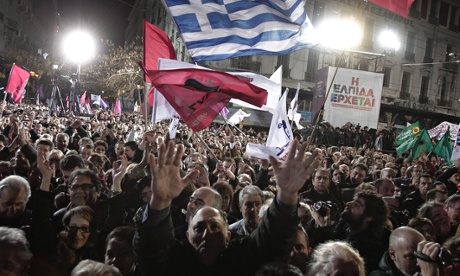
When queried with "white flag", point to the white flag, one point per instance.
{"points": [[132, 135], [238, 117], [96, 99], [294, 104], [173, 127], [279, 137], [297, 118], [456, 149], [136, 107]]}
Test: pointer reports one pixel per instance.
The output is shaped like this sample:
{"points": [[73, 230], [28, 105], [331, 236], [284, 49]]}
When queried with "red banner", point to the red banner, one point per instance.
{"points": [[199, 95], [397, 6], [17, 82]]}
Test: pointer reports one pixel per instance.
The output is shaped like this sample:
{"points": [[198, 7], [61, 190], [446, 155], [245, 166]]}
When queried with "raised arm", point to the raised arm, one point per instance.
{"points": [[291, 175], [166, 181]]}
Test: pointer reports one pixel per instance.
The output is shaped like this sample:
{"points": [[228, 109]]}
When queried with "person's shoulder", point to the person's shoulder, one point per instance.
{"points": [[236, 225]]}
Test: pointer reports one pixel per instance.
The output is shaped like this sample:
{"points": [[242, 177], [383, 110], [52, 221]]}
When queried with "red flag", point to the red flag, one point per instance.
{"points": [[117, 108], [397, 6], [17, 82], [198, 95], [83, 98], [156, 45]]}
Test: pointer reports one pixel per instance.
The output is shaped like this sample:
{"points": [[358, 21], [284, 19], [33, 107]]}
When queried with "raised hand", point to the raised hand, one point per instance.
{"points": [[166, 181], [291, 175], [118, 174], [46, 170]]}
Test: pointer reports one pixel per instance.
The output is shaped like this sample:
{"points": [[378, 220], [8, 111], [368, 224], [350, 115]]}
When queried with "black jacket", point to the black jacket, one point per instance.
{"points": [[386, 267], [159, 253]]}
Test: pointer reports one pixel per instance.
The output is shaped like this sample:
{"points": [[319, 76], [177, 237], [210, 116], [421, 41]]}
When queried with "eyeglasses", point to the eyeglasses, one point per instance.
{"points": [[84, 187], [74, 229]]}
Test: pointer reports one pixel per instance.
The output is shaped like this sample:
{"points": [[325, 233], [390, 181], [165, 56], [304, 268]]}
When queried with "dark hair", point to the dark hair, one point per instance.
{"points": [[379, 182], [431, 194], [131, 144], [88, 173], [100, 143], [45, 142], [376, 207], [3, 138], [84, 211], [360, 165], [278, 269], [451, 200], [122, 233], [70, 162]]}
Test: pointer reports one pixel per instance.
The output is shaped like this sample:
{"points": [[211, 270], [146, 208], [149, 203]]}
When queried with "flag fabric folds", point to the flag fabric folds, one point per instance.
{"points": [[456, 149], [117, 108], [17, 82], [156, 45], [103, 103], [88, 107], [215, 29], [420, 143], [199, 95], [443, 148], [238, 117], [83, 99], [279, 136], [400, 7], [224, 112], [408, 133], [294, 104], [172, 130]]}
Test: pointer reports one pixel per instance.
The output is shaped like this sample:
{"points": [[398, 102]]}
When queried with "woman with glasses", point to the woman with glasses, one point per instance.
{"points": [[58, 254]]}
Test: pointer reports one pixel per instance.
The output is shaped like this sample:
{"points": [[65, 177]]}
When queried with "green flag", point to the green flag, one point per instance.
{"points": [[407, 145], [443, 148], [422, 144], [407, 133]]}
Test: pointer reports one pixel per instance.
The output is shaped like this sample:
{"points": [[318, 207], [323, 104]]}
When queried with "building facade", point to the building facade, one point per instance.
{"points": [[420, 79]]}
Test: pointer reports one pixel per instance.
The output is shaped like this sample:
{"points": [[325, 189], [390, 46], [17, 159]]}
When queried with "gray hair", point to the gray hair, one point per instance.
{"points": [[16, 239], [451, 200], [322, 263], [250, 190], [16, 183], [90, 267]]}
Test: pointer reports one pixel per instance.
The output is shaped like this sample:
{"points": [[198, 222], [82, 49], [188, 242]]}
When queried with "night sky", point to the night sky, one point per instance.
{"points": [[105, 19]]}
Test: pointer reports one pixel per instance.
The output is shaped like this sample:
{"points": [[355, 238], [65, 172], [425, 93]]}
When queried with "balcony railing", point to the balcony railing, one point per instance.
{"points": [[451, 67]]}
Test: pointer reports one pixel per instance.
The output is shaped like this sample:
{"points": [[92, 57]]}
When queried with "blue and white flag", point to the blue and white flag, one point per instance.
{"points": [[279, 137], [223, 29], [456, 149]]}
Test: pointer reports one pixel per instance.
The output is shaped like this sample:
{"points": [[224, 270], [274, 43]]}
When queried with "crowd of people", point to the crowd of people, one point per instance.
{"points": [[107, 196]]}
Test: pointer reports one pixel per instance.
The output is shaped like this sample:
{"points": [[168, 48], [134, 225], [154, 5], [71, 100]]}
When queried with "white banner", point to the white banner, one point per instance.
{"points": [[355, 97], [439, 130]]}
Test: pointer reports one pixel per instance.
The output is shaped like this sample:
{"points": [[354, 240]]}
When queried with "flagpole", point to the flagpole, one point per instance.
{"points": [[147, 87], [206, 145], [227, 124], [321, 111]]}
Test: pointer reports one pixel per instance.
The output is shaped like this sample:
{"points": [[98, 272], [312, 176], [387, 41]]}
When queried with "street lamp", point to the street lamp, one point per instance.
{"points": [[79, 47]]}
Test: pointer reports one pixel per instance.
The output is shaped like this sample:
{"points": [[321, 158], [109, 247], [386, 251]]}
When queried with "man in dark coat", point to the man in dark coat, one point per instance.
{"points": [[209, 250]]}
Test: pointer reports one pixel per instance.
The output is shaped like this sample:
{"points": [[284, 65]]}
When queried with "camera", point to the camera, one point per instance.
{"points": [[443, 259], [322, 207]]}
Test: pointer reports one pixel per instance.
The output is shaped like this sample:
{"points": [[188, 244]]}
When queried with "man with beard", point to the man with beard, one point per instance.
{"points": [[362, 224]]}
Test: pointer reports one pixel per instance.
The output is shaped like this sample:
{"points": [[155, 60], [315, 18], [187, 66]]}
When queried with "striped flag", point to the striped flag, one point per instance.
{"points": [[216, 29]]}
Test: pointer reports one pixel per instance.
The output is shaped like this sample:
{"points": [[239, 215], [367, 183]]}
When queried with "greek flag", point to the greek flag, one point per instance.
{"points": [[222, 29]]}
